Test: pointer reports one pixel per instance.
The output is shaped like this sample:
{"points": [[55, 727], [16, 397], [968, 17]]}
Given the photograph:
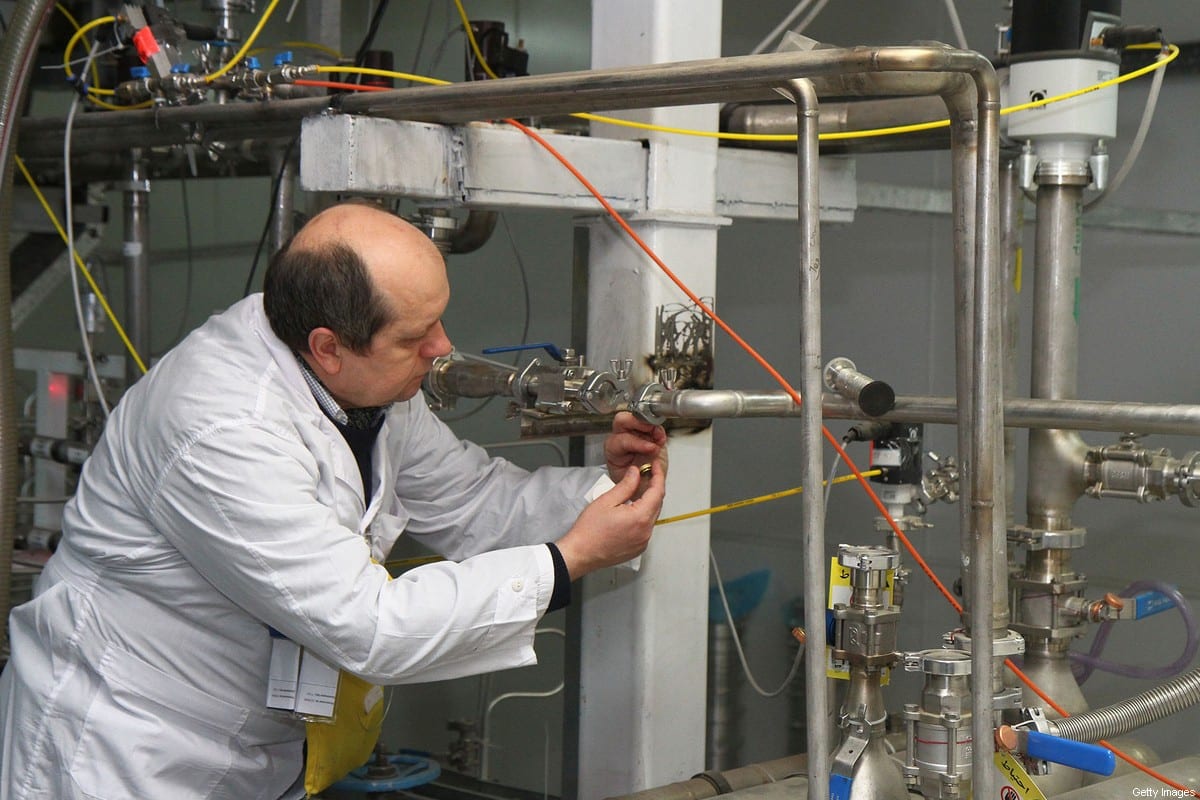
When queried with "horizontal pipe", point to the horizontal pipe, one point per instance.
{"points": [[780, 119], [1087, 415], [874, 71], [712, 784]]}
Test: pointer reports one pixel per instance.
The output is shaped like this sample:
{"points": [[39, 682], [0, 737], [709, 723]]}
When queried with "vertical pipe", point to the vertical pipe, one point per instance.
{"points": [[18, 51], [987, 444], [812, 504], [136, 251], [1012, 219], [1052, 489], [964, 152], [284, 163]]}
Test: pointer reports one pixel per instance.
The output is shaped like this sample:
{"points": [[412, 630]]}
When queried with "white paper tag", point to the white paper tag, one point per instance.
{"points": [[284, 674], [318, 687]]}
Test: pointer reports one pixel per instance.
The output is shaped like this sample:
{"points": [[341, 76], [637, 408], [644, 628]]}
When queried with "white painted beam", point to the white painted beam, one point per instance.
{"points": [[495, 166]]}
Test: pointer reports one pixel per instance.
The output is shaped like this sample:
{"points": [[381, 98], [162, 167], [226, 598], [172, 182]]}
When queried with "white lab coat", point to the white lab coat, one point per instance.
{"points": [[220, 501]]}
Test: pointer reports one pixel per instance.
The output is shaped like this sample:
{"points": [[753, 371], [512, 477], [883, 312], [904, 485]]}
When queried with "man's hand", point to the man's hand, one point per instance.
{"points": [[617, 525], [634, 443]]}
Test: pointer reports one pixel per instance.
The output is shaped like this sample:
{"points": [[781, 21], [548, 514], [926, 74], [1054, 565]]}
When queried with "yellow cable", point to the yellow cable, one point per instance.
{"points": [[240, 54], [82, 267], [320, 48], [462, 12], [80, 32], [1173, 53], [383, 73], [75, 24], [113, 107], [761, 499], [409, 563]]}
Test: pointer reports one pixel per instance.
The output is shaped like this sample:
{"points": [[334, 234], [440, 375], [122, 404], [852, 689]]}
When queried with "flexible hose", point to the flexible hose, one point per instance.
{"points": [[1083, 664], [1136, 712], [17, 51], [1139, 140]]}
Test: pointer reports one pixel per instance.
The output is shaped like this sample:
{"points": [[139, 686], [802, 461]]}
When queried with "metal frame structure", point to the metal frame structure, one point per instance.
{"points": [[963, 82]]}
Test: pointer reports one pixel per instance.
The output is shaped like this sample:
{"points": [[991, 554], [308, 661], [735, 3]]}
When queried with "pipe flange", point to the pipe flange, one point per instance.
{"points": [[867, 557], [834, 368], [1010, 644], [602, 394], [1189, 480], [1063, 172], [640, 404], [938, 661], [1068, 539], [1009, 698]]}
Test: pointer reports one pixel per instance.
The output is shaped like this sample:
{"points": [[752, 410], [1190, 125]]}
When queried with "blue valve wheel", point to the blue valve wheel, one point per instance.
{"points": [[411, 770]]}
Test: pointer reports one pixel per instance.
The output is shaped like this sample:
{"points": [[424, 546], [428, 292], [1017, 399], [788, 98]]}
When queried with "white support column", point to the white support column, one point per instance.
{"points": [[644, 640]]}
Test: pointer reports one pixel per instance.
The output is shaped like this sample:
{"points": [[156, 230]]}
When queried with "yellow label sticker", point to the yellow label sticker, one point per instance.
{"points": [[1014, 782]]}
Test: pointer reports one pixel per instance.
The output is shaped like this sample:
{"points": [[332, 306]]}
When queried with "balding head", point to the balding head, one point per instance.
{"points": [[353, 268]]}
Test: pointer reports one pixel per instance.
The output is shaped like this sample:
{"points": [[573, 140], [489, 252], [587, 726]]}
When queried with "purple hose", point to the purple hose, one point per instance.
{"points": [[1084, 664]]}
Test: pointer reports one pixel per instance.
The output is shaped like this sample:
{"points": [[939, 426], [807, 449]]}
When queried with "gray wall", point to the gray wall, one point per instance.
{"points": [[887, 304]]}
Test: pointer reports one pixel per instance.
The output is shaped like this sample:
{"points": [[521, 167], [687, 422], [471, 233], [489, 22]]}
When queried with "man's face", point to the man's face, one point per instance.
{"points": [[411, 277], [400, 355]]}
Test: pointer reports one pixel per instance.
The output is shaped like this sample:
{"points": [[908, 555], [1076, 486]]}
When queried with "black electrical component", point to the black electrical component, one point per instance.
{"points": [[381, 60], [898, 453], [505, 61], [1118, 37], [1045, 26]]}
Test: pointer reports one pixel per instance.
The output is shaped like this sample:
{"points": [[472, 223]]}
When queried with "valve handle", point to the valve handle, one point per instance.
{"points": [[549, 347], [1069, 753]]}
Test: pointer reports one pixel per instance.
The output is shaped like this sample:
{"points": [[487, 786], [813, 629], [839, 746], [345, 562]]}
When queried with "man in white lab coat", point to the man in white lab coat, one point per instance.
{"points": [[254, 480]]}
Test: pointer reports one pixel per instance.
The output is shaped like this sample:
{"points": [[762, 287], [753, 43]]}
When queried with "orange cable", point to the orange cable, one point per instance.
{"points": [[350, 87], [825, 430], [753, 353], [745, 346]]}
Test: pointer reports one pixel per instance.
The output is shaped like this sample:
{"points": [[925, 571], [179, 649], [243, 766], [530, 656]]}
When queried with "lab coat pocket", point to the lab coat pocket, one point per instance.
{"points": [[147, 734]]}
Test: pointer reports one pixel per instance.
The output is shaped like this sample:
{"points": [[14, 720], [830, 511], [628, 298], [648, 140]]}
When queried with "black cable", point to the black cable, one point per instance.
{"points": [[187, 290], [524, 277], [524, 328], [262, 240], [421, 38], [360, 56], [3, 25]]}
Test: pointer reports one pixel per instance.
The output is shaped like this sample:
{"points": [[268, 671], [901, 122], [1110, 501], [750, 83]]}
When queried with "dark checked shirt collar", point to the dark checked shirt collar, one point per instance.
{"points": [[351, 418]]}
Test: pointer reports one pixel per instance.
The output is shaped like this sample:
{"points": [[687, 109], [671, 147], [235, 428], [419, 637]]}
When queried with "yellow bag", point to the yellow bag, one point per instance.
{"points": [[346, 742]]}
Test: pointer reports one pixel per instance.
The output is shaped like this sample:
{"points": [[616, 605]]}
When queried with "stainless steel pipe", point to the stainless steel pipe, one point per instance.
{"points": [[286, 165], [1054, 484], [1084, 415], [919, 70], [812, 507], [859, 115], [136, 256], [714, 783]]}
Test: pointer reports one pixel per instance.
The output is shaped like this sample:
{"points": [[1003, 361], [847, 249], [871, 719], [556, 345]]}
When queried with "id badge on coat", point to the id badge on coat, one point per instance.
{"points": [[300, 682]]}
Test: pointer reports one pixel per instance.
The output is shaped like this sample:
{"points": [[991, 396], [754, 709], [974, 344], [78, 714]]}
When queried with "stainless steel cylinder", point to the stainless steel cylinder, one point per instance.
{"points": [[136, 252]]}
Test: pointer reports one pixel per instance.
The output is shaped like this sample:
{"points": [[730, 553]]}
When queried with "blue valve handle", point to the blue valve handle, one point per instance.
{"points": [[412, 771], [1147, 604], [1069, 753], [549, 347]]}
